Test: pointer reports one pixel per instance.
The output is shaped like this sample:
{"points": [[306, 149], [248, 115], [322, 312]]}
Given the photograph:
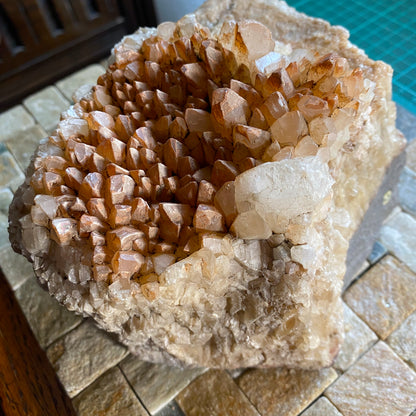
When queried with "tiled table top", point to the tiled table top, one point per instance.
{"points": [[375, 373]]}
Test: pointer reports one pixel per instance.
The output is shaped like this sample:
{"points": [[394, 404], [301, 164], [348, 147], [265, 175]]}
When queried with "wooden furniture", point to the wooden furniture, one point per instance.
{"points": [[43, 40], [28, 383]]}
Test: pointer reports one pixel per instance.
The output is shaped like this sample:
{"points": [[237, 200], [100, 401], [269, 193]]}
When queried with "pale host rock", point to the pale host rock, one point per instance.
{"points": [[199, 200]]}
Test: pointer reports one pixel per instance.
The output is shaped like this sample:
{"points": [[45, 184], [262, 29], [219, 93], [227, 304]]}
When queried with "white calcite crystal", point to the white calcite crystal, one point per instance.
{"points": [[190, 202]]}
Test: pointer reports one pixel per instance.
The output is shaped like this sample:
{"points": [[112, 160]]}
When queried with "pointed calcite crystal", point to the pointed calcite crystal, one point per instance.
{"points": [[199, 200]]}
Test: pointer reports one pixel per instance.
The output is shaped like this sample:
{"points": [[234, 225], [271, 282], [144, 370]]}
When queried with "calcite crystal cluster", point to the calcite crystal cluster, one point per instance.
{"points": [[195, 200]]}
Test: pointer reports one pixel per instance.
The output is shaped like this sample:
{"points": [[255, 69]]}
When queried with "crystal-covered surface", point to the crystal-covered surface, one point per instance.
{"points": [[187, 201]]}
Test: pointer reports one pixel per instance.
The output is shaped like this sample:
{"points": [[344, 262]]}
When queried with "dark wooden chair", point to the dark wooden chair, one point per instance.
{"points": [[43, 40]]}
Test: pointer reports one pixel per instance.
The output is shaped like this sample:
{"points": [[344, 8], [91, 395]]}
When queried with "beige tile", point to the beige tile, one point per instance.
{"points": [[411, 156], [215, 394], [4, 234], [16, 268], [156, 384], [83, 355], [10, 174], [284, 391], [6, 197], [322, 407], [363, 268], [87, 75], [407, 191], [403, 340], [23, 144], [236, 372], [110, 395], [384, 296], [104, 62], [359, 272], [48, 319], [398, 235], [379, 384], [46, 106], [13, 121], [358, 339], [395, 211], [171, 409]]}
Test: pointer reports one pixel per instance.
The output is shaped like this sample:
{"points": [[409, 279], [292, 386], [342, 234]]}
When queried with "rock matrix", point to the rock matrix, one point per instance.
{"points": [[192, 201]]}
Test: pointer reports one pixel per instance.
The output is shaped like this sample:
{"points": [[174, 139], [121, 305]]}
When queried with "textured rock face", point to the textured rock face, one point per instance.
{"points": [[199, 200]]}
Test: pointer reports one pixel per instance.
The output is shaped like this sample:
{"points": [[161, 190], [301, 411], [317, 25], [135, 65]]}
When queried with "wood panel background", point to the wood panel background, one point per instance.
{"points": [[43, 40]]}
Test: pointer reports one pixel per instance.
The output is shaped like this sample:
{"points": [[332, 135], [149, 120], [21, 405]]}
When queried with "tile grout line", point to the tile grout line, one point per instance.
{"points": [[244, 394], [33, 115], [399, 356], [131, 387], [388, 253], [330, 401]]}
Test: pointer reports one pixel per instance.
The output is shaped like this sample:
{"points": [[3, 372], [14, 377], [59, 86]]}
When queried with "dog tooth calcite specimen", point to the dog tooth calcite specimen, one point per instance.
{"points": [[198, 201]]}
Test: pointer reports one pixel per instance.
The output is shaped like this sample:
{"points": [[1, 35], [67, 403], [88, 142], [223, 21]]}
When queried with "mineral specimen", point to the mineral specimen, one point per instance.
{"points": [[198, 201]]}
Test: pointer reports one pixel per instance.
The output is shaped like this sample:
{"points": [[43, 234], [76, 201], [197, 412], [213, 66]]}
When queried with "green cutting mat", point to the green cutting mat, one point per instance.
{"points": [[385, 29]]}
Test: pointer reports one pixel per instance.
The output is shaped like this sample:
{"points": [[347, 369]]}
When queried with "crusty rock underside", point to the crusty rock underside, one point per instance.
{"points": [[267, 291]]}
